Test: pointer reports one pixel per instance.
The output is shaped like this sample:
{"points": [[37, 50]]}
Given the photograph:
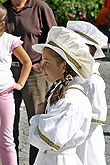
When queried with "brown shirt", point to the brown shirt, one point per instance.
{"points": [[102, 17], [32, 23]]}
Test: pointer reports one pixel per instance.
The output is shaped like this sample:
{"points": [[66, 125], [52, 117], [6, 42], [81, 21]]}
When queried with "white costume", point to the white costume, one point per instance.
{"points": [[92, 151], [7, 43], [65, 126]]}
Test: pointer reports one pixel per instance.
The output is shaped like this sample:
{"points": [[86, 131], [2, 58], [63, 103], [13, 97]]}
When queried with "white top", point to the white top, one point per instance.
{"points": [[65, 126], [7, 44], [95, 90], [92, 151]]}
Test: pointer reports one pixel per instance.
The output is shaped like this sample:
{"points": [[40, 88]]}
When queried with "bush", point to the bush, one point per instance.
{"points": [[1, 1], [65, 10]]}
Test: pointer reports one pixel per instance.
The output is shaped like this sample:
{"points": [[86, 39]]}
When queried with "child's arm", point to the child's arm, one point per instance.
{"points": [[21, 54], [41, 108]]}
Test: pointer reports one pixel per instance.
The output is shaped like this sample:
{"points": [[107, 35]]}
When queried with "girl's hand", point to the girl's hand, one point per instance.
{"points": [[18, 86], [36, 67], [41, 108]]}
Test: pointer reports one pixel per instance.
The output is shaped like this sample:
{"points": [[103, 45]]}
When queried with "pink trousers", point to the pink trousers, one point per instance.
{"points": [[7, 112]]}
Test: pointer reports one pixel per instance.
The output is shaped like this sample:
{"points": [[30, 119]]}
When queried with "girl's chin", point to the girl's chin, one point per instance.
{"points": [[49, 80]]}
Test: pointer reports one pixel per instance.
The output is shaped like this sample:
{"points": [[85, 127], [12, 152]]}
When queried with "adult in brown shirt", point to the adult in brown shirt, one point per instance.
{"points": [[30, 19]]}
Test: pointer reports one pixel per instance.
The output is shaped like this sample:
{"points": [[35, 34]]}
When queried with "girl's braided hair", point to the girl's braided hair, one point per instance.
{"points": [[61, 85]]}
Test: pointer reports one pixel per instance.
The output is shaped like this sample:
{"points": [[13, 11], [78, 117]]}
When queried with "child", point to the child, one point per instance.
{"points": [[92, 151], [9, 44], [67, 116]]}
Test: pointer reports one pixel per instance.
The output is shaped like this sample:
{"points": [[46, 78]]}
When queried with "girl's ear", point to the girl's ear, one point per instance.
{"points": [[64, 65], [2, 24]]}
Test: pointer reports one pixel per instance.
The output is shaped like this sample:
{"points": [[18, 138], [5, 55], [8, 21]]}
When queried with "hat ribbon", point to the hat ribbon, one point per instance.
{"points": [[89, 38], [67, 55]]}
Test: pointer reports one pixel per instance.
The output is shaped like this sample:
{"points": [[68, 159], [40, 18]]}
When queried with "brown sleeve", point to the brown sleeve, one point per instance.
{"points": [[47, 18]]}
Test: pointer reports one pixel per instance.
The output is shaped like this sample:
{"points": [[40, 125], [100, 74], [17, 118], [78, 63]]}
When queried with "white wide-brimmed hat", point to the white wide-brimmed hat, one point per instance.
{"points": [[70, 47], [91, 35]]}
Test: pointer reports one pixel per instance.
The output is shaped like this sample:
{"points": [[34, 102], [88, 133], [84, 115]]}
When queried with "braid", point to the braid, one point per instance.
{"points": [[59, 91], [49, 92], [57, 94]]}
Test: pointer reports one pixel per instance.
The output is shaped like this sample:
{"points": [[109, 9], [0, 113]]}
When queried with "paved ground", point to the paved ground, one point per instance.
{"points": [[105, 71], [24, 146]]}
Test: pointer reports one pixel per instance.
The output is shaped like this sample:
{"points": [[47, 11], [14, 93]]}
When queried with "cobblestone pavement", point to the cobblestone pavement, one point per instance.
{"points": [[24, 145], [105, 72]]}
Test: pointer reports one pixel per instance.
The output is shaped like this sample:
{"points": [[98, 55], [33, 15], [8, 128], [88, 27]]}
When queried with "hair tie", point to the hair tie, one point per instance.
{"points": [[68, 78]]}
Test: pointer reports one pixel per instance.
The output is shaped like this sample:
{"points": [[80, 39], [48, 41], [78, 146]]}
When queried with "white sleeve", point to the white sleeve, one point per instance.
{"points": [[68, 119], [33, 128], [14, 42], [99, 105]]}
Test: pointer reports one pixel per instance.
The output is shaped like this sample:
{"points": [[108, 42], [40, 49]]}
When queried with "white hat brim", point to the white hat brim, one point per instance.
{"points": [[39, 48]]}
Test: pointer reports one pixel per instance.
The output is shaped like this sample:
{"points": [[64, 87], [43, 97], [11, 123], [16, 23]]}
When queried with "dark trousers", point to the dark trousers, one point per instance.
{"points": [[33, 93]]}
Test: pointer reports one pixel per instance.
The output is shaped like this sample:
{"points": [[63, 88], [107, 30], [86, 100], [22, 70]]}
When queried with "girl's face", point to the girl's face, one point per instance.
{"points": [[51, 68]]}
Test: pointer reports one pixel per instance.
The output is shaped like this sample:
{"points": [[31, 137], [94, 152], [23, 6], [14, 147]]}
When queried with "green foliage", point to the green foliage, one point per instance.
{"points": [[65, 10], [1, 1]]}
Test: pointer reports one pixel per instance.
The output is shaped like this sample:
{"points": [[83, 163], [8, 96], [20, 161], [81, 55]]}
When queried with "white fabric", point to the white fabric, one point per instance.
{"points": [[6, 43], [92, 151], [52, 157], [66, 124], [72, 44], [95, 90], [91, 31]]}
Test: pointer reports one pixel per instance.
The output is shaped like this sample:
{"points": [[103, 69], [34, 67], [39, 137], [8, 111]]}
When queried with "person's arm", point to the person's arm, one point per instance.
{"points": [[21, 54], [41, 108], [47, 19]]}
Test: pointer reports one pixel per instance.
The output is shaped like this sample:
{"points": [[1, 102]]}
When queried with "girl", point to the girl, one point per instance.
{"points": [[67, 116], [9, 44], [92, 151]]}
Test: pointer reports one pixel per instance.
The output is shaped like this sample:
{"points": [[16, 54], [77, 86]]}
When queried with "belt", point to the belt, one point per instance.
{"points": [[97, 121], [16, 64], [70, 151]]}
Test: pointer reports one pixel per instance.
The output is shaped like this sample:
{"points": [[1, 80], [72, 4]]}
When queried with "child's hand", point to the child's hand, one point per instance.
{"points": [[41, 108], [36, 67], [18, 86]]}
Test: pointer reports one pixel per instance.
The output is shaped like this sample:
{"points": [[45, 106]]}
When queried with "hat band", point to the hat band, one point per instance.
{"points": [[67, 55], [89, 38]]}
